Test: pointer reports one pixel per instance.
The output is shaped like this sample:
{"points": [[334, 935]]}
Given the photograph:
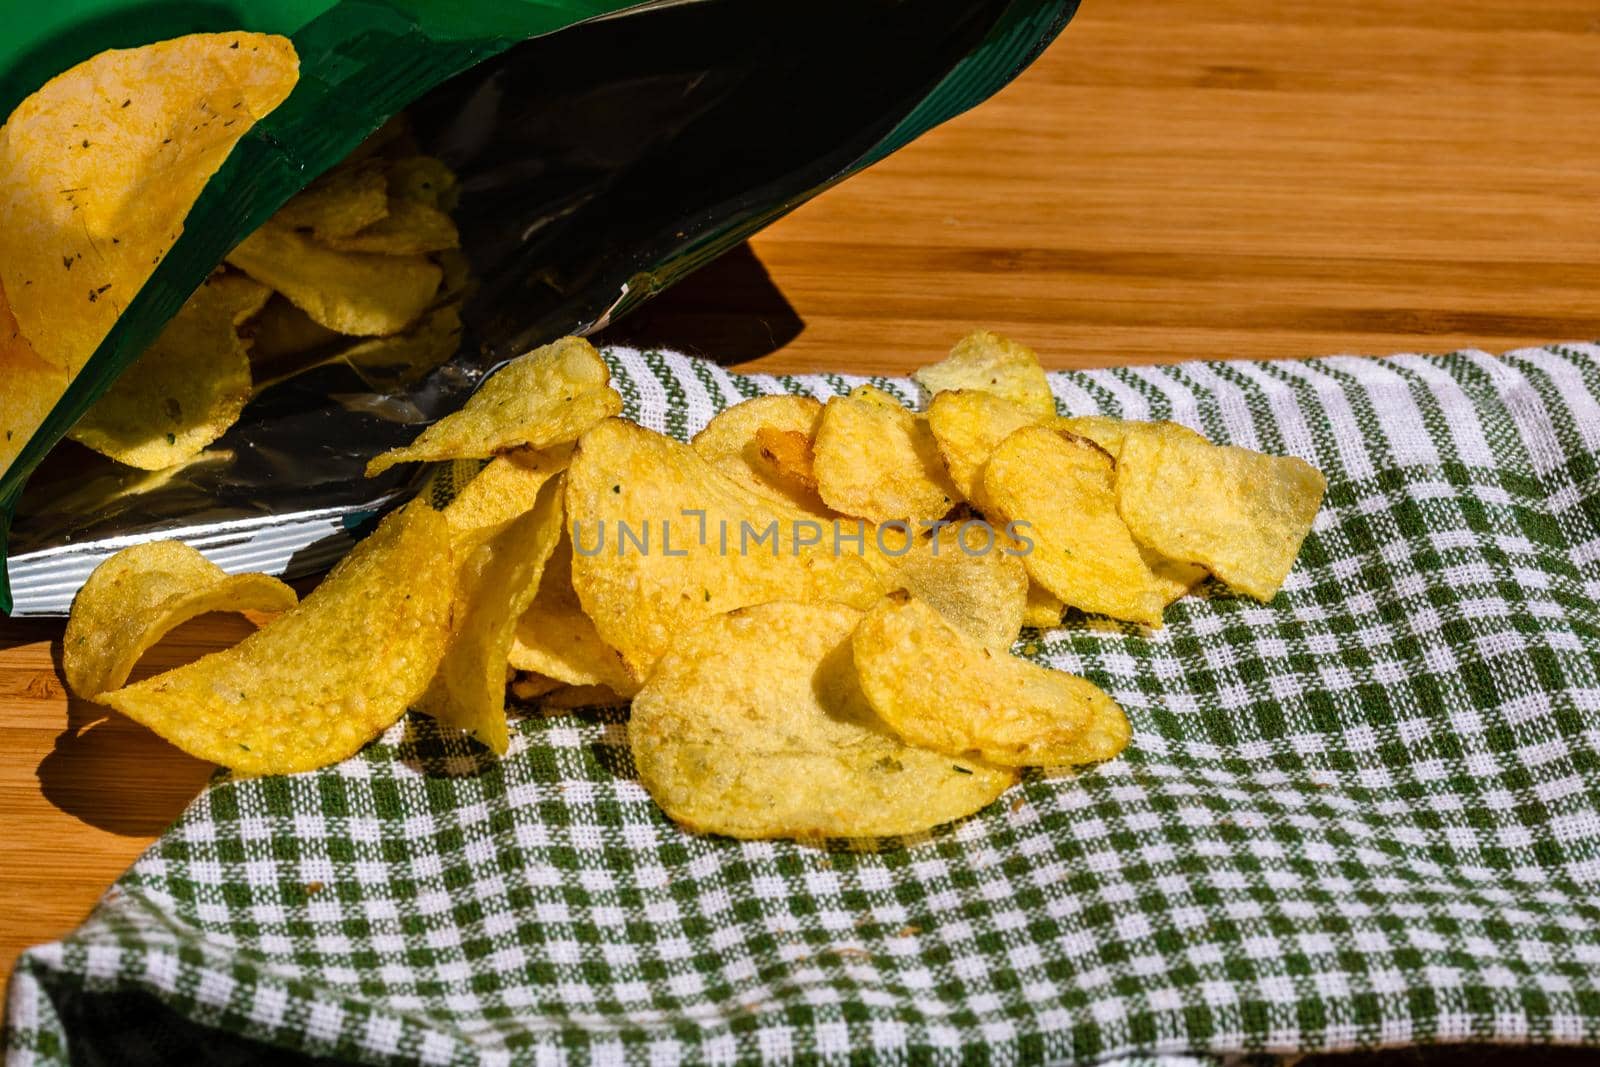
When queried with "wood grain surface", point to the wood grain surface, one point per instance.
{"points": [[1174, 179]]}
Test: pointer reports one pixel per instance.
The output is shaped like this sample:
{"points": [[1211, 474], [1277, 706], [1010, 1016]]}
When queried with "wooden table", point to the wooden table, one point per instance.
{"points": [[1174, 179]]}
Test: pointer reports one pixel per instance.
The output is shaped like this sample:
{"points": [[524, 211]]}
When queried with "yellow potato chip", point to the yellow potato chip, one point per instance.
{"points": [[508, 486], [138, 596], [1077, 546], [876, 460], [754, 726], [495, 583], [662, 539], [790, 454], [968, 425], [556, 639], [99, 168], [29, 387], [282, 332], [344, 201], [969, 575], [358, 293], [1240, 514], [941, 690], [1043, 609], [730, 442], [186, 389], [1101, 429], [569, 697], [424, 180], [527, 687], [990, 363], [314, 685], [547, 397], [409, 228]]}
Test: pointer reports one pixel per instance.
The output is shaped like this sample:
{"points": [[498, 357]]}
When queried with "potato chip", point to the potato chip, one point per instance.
{"points": [[549, 396], [508, 486], [29, 387], [283, 332], [876, 460], [346, 200], [527, 687], [99, 168], [495, 583], [424, 180], [968, 425], [358, 293], [314, 685], [754, 726], [662, 539], [186, 389], [790, 454], [557, 639], [139, 595], [730, 442], [1101, 429], [990, 363], [403, 359], [941, 690], [970, 576], [409, 228], [1078, 548], [569, 697], [1240, 514], [1043, 609]]}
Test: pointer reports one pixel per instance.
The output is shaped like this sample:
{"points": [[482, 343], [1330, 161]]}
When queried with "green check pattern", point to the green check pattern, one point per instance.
{"points": [[1366, 814]]}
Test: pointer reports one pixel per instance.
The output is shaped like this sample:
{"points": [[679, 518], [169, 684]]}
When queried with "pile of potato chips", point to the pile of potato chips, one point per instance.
{"points": [[811, 607]]}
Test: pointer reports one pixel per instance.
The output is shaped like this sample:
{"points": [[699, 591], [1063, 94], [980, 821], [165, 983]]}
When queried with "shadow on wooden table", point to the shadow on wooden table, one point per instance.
{"points": [[116, 775]]}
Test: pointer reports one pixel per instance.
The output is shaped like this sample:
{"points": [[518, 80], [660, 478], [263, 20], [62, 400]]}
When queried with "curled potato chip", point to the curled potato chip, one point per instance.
{"points": [[753, 725], [1078, 547], [505, 488], [495, 582], [939, 689], [99, 168], [1043, 609], [556, 639], [344, 201], [358, 293], [731, 442], [29, 387], [971, 577], [408, 228], [1240, 514], [789, 452], [968, 425], [662, 539], [549, 396], [324, 678], [876, 460], [139, 595], [989, 363], [187, 388]]}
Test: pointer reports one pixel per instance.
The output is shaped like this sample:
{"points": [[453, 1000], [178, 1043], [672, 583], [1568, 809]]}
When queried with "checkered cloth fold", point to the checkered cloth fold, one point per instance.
{"points": [[1366, 814]]}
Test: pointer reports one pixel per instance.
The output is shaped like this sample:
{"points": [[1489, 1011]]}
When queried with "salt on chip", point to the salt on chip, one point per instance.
{"points": [[713, 544], [495, 583], [731, 441], [878, 461], [408, 228], [939, 689], [362, 294], [546, 397], [968, 425], [99, 168], [344, 201], [555, 638], [29, 387], [1078, 547], [989, 363], [139, 595], [970, 576], [1240, 514], [753, 725], [324, 678], [186, 389]]}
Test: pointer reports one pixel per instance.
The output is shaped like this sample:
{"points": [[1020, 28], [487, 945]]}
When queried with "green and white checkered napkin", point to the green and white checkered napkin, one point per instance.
{"points": [[1367, 814]]}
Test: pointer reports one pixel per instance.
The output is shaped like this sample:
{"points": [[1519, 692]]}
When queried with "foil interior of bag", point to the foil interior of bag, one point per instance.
{"points": [[596, 165]]}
